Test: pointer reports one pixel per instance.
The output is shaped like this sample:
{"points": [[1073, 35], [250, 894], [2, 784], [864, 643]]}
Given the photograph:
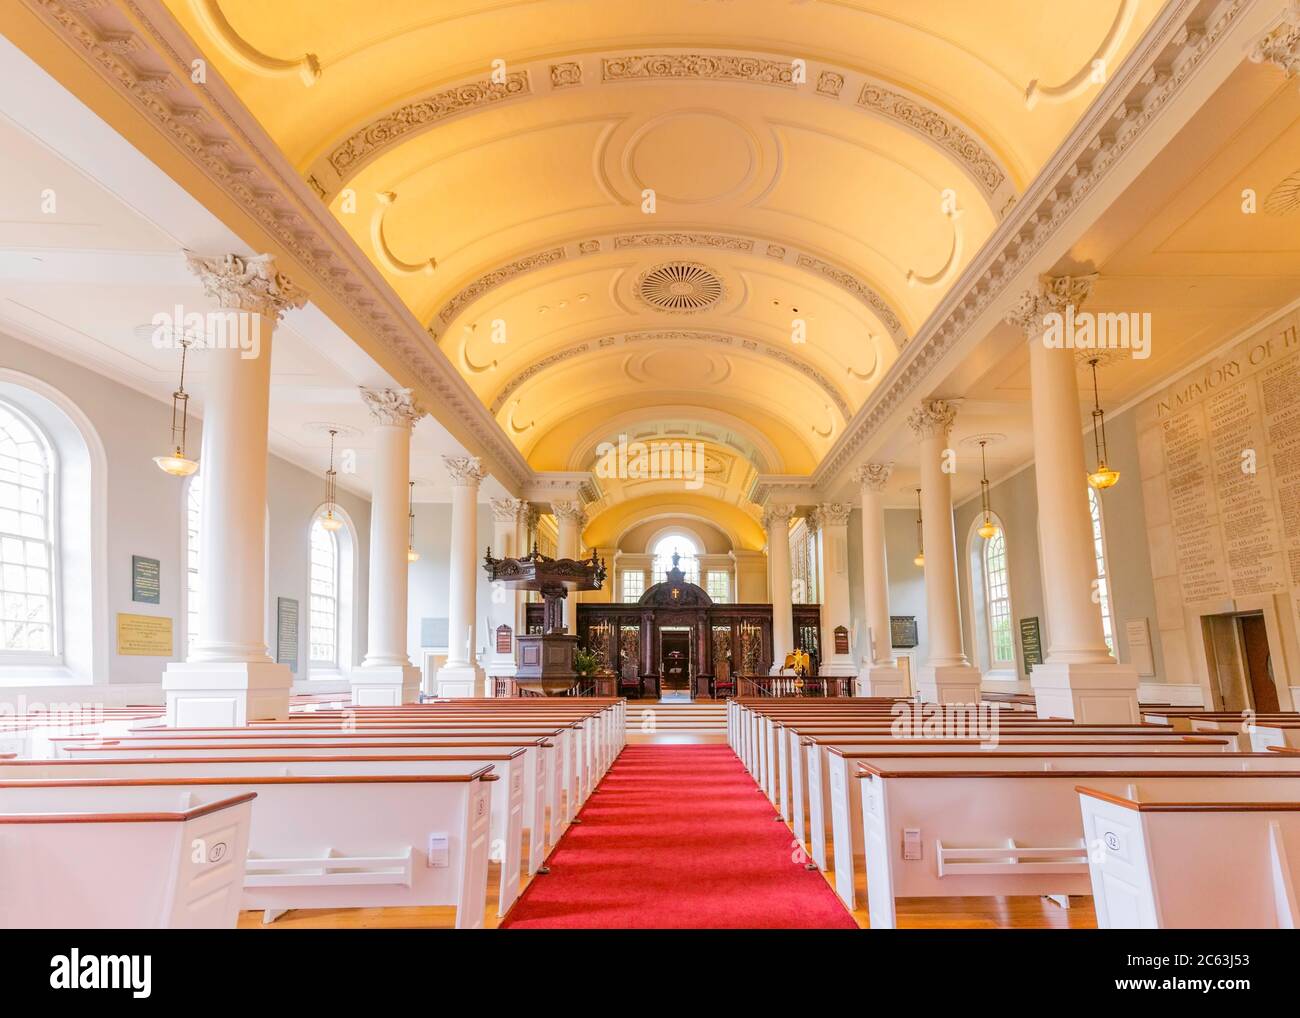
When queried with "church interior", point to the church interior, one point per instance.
{"points": [[593, 464]]}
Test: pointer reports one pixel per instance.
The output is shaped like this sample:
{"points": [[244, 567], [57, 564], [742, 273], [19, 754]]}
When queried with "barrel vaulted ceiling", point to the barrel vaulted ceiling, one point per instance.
{"points": [[821, 171]]}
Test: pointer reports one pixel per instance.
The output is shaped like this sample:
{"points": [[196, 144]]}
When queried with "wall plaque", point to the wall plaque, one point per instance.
{"points": [[144, 635], [841, 640], [145, 585], [902, 631], [505, 639], [1031, 642], [1137, 633], [286, 632]]}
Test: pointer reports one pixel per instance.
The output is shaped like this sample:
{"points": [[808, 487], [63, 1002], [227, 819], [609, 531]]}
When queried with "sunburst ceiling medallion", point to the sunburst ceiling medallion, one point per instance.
{"points": [[680, 287]]}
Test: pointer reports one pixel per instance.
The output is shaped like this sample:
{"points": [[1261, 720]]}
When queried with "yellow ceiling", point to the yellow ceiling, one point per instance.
{"points": [[822, 170]]}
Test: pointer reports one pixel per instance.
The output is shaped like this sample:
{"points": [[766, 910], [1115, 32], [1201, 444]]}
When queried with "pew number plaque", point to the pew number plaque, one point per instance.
{"points": [[144, 635]]}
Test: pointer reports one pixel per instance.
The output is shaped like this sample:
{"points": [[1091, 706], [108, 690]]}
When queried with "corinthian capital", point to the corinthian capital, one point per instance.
{"points": [[1052, 296], [394, 407], [464, 470], [569, 512], [1280, 46], [247, 284], [932, 418], [508, 510], [777, 516], [833, 514], [873, 476]]}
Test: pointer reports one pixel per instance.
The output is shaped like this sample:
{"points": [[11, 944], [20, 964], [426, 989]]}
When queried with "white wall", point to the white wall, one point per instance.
{"points": [[146, 512], [430, 577]]}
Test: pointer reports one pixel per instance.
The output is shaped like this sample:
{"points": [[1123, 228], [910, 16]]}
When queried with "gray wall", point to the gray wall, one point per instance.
{"points": [[430, 577], [146, 511]]}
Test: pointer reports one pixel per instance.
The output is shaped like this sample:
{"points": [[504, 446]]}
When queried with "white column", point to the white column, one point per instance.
{"points": [[776, 521], [229, 678], [507, 515], [461, 675], [571, 519], [833, 522], [946, 676], [1078, 679], [387, 677], [881, 677]]}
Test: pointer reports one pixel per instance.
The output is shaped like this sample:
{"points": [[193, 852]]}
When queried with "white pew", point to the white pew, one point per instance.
{"points": [[809, 758], [335, 841], [549, 785], [575, 777], [982, 833], [1210, 864], [506, 798], [846, 805], [154, 858]]}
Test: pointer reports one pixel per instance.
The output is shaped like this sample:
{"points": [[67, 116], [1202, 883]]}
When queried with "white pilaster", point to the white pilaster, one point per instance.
{"points": [[833, 524], [1078, 679], [776, 521], [229, 678], [387, 677], [882, 677], [508, 516], [946, 676], [570, 518], [461, 675]]}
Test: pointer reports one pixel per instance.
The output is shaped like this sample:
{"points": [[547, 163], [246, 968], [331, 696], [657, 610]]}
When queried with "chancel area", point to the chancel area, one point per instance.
{"points": [[482, 465]]}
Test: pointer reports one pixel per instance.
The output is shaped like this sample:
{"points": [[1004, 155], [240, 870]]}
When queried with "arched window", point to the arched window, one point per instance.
{"points": [[687, 562], [1103, 574], [28, 551], [193, 502], [324, 596], [997, 601]]}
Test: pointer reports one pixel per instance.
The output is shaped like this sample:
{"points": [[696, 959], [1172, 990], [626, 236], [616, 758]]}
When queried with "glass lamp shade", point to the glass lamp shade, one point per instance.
{"points": [[919, 560], [412, 555], [330, 522], [1103, 477], [987, 529], [177, 464]]}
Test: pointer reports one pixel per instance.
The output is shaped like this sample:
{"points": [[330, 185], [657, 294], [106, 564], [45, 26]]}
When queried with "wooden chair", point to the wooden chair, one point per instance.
{"points": [[724, 683]]}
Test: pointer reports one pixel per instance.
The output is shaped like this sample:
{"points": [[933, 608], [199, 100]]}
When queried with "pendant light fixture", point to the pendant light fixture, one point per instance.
{"points": [[1103, 476], [411, 554], [920, 539], [330, 520], [177, 463], [988, 528]]}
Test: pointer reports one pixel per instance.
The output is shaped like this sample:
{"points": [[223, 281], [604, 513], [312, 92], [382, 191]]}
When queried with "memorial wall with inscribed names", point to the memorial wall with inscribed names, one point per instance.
{"points": [[1220, 457]]}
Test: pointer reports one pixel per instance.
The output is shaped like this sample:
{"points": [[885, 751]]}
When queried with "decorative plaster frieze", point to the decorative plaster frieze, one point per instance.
{"points": [[738, 243], [363, 145], [699, 66], [569, 512], [833, 514], [674, 335], [509, 510], [777, 517]]}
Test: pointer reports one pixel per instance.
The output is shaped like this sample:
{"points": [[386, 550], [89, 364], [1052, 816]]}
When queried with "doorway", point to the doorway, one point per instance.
{"points": [[1241, 662], [675, 661], [1258, 663]]}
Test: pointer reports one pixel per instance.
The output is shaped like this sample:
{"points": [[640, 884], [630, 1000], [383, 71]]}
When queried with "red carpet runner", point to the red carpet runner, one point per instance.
{"points": [[678, 837]]}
